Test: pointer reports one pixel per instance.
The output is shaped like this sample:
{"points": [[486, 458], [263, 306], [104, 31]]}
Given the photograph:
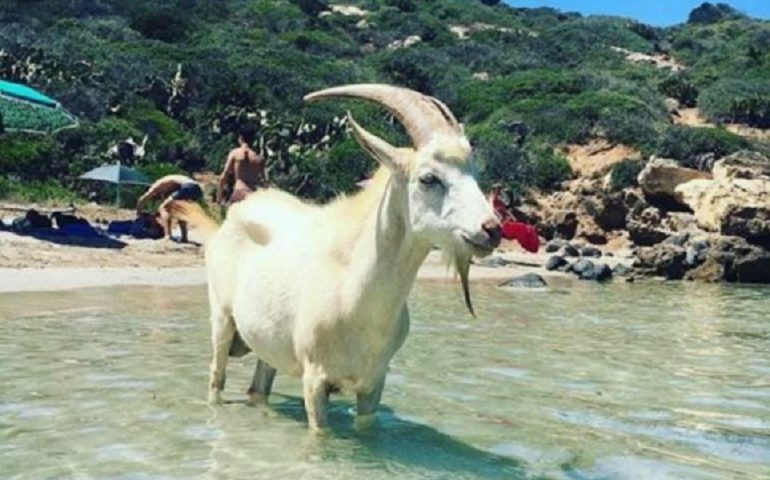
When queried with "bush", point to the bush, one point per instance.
{"points": [[680, 88], [625, 173], [686, 144], [48, 191], [738, 101], [164, 25], [549, 168]]}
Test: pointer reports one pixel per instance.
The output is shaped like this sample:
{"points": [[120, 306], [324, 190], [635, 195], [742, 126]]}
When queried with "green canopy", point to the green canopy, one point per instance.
{"points": [[117, 174], [24, 109]]}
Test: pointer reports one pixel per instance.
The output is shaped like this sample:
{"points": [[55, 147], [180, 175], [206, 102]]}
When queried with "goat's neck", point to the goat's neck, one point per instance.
{"points": [[385, 257]]}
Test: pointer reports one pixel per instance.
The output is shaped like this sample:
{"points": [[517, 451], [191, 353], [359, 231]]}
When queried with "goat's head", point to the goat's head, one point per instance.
{"points": [[443, 204]]}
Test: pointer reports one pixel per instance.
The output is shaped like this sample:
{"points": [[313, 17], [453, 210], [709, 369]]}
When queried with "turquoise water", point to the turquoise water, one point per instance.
{"points": [[580, 382]]}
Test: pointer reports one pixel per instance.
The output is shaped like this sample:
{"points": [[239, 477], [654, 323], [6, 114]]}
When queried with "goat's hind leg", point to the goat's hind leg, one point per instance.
{"points": [[262, 383], [222, 333], [367, 405]]}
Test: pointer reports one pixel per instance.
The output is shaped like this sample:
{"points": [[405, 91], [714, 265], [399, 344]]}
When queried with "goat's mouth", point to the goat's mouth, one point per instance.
{"points": [[478, 249]]}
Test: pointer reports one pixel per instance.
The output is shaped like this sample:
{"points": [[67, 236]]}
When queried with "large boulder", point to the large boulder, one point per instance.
{"points": [[750, 223], [610, 211], [659, 179], [665, 260], [740, 181], [744, 164], [733, 259]]}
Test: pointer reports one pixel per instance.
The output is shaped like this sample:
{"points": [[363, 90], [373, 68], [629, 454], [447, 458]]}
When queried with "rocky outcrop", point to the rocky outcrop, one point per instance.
{"points": [[660, 178], [664, 260], [733, 259], [750, 223], [610, 211], [740, 181], [645, 229]]}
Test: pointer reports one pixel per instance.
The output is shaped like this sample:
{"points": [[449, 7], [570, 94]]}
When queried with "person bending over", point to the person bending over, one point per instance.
{"points": [[245, 167], [169, 188]]}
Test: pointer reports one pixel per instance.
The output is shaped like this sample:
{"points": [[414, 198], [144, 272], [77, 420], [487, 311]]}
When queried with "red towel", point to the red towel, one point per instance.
{"points": [[525, 234]]}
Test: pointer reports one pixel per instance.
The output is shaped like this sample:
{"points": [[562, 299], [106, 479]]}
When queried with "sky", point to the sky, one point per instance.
{"points": [[653, 12]]}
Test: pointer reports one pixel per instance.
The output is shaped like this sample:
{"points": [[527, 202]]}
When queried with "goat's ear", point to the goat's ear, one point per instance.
{"points": [[382, 151]]}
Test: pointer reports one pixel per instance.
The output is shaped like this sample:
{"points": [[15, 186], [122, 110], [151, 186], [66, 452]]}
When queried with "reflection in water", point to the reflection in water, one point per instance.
{"points": [[586, 381]]}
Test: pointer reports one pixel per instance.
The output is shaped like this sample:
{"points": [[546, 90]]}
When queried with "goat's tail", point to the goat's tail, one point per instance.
{"points": [[194, 214]]}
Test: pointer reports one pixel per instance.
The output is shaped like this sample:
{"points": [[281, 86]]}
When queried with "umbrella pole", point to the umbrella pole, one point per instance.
{"points": [[117, 199]]}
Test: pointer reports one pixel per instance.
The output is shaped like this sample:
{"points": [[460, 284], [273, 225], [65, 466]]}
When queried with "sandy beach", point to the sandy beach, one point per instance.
{"points": [[39, 264]]}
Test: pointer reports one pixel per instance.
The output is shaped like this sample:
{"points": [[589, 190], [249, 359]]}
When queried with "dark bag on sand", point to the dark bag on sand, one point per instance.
{"points": [[32, 220]]}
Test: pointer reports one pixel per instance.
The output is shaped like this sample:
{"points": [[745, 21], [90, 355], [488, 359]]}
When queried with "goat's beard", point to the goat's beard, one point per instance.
{"points": [[462, 263]]}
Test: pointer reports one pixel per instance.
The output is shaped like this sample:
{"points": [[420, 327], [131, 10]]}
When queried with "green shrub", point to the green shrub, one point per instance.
{"points": [[625, 173], [738, 101], [549, 168], [686, 144], [680, 88], [46, 192]]}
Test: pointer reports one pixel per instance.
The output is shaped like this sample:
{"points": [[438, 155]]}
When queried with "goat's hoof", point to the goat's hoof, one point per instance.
{"points": [[215, 397], [365, 421], [256, 400]]}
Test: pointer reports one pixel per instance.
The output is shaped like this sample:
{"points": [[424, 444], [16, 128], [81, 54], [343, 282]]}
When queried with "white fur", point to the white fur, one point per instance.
{"points": [[320, 291]]}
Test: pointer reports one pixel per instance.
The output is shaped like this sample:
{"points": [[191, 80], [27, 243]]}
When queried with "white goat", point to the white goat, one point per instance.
{"points": [[320, 291]]}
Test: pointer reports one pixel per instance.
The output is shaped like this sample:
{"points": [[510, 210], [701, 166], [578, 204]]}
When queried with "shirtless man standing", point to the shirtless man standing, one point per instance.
{"points": [[246, 166], [171, 187]]}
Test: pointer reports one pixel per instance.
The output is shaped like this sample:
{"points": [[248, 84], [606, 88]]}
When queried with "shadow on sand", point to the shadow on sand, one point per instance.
{"points": [[394, 441]]}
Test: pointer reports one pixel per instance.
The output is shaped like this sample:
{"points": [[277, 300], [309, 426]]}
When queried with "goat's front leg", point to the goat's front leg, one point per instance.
{"points": [[316, 392], [222, 332], [367, 405], [262, 383]]}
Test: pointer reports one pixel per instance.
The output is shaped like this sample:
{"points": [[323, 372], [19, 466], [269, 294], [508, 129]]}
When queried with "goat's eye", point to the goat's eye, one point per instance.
{"points": [[430, 180]]}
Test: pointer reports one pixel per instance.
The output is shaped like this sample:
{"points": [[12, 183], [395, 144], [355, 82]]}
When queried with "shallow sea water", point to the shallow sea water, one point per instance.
{"points": [[651, 381]]}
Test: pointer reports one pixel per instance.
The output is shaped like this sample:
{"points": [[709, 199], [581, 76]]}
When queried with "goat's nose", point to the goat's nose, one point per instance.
{"points": [[494, 231]]}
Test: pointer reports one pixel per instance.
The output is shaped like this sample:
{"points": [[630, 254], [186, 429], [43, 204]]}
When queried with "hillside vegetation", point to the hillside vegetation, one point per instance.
{"points": [[187, 73]]}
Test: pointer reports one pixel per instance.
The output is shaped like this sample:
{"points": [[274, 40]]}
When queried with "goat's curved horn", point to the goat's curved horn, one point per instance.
{"points": [[422, 116]]}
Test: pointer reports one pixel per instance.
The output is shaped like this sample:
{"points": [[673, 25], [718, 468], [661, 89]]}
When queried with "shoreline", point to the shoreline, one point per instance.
{"points": [[50, 279]]}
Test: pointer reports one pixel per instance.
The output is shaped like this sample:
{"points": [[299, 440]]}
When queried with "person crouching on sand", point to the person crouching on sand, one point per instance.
{"points": [[171, 187]]}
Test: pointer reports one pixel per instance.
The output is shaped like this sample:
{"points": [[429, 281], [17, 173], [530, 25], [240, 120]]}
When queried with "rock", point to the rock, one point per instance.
{"points": [[740, 181], [529, 280], [659, 179], [590, 252], [634, 202], [680, 222], [709, 272], [595, 237], [609, 254], [753, 267], [555, 245], [582, 267], [731, 259], [750, 223], [743, 164], [666, 260], [602, 272], [566, 224], [697, 253], [678, 239], [555, 262], [621, 270], [571, 251], [610, 211], [493, 262], [644, 234]]}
